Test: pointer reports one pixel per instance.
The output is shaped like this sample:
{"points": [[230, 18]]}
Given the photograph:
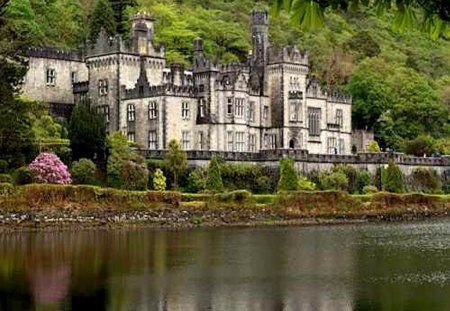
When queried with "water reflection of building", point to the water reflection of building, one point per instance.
{"points": [[267, 270]]}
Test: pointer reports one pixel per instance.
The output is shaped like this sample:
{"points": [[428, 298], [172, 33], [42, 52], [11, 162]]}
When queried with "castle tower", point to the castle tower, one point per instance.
{"points": [[260, 36], [142, 30]]}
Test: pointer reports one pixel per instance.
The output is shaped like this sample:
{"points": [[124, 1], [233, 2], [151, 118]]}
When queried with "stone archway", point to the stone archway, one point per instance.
{"points": [[292, 143]]}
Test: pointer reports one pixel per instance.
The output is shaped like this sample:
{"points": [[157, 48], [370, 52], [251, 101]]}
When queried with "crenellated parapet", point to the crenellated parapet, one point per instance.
{"points": [[141, 91], [289, 54], [54, 53]]}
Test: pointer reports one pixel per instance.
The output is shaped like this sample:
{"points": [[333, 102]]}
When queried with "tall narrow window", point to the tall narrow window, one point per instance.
{"points": [[341, 146], [201, 143], [266, 113], [332, 145], [131, 113], [229, 106], [152, 110], [102, 87], [103, 110], [271, 141], [50, 76], [339, 117], [314, 115], [186, 140], [201, 107], [240, 141], [251, 111], [252, 142], [293, 112], [131, 137], [239, 107], [185, 111], [152, 140], [74, 77], [230, 141]]}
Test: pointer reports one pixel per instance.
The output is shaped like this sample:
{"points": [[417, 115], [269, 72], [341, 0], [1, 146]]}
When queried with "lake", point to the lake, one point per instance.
{"points": [[395, 266]]}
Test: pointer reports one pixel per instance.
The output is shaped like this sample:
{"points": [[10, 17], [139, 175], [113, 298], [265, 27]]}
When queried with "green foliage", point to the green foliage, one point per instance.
{"points": [[3, 166], [373, 146], [126, 169], [213, 176], [393, 180], [420, 146], [363, 179], [351, 174], [84, 172], [363, 44], [336, 180], [159, 180], [122, 21], [176, 161], [369, 190], [288, 176], [23, 176], [102, 18], [196, 181], [6, 189], [17, 141], [244, 176], [425, 180], [87, 134], [5, 178], [305, 185]]}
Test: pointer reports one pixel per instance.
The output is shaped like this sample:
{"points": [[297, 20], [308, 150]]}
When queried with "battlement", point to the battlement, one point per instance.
{"points": [[142, 16], [141, 91], [54, 53], [234, 67], [289, 54]]}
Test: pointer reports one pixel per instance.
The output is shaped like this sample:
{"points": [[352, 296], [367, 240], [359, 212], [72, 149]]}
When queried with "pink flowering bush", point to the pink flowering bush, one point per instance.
{"points": [[49, 169]]}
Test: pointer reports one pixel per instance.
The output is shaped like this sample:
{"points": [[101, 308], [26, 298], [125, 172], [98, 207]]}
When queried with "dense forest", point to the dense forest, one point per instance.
{"points": [[399, 80]]}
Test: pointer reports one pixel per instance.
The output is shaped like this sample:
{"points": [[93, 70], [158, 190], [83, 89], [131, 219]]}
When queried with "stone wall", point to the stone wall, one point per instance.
{"points": [[306, 162]]}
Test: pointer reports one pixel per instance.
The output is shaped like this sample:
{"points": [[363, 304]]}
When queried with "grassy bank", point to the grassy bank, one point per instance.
{"points": [[238, 207]]}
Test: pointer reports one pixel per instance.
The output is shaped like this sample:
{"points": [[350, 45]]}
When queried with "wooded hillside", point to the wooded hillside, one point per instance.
{"points": [[400, 81]]}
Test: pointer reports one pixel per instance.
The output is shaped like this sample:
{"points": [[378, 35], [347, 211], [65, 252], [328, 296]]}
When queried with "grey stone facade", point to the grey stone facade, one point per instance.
{"points": [[267, 103]]}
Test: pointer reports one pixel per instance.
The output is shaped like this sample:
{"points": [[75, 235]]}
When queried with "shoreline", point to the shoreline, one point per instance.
{"points": [[55, 206], [168, 219]]}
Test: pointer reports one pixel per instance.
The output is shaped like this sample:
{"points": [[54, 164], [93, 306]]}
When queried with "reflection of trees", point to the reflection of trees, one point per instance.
{"points": [[225, 269]]}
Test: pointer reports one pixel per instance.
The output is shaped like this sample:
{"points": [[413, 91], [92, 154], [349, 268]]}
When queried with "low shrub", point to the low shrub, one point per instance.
{"points": [[238, 196], [48, 168], [6, 189], [159, 180], [196, 181], [213, 176], [5, 178], [369, 189], [84, 172], [334, 181], [23, 176], [305, 185], [134, 175], [262, 185], [351, 174], [425, 180], [363, 179]]}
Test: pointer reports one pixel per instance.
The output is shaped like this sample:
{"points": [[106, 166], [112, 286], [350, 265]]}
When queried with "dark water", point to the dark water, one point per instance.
{"points": [[354, 267]]}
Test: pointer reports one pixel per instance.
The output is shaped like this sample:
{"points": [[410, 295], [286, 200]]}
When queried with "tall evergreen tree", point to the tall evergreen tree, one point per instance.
{"points": [[393, 181], [87, 134], [119, 7], [213, 176], [288, 176], [176, 161], [102, 18]]}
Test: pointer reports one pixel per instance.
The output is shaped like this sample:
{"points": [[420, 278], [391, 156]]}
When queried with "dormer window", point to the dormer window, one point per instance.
{"points": [[103, 87], [50, 76]]}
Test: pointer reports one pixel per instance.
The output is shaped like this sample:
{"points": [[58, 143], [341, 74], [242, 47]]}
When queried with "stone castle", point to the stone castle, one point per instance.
{"points": [[267, 103]]}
